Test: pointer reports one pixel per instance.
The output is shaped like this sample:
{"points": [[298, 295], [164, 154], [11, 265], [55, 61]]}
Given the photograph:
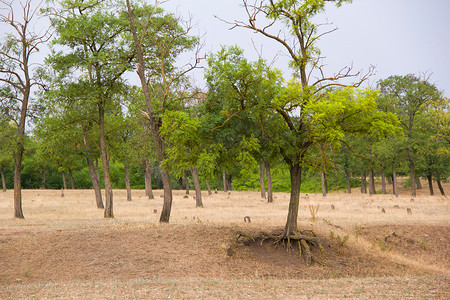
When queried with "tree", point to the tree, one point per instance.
{"points": [[164, 39], [311, 112], [96, 59], [408, 96], [17, 78]]}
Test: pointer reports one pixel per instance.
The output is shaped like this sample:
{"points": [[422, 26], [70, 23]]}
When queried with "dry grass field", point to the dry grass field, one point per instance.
{"points": [[65, 249]]}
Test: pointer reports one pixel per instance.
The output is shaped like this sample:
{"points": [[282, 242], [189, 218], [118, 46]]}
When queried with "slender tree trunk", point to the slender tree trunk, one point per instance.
{"points": [[441, 189], [224, 179], [430, 184], [95, 183], [296, 182], [44, 178], [261, 180], [64, 180], [2, 171], [154, 123], [18, 183], [198, 191], [347, 174], [208, 187], [186, 181], [180, 183], [394, 181], [363, 183], [148, 179], [383, 181], [97, 169], [127, 181], [72, 184], [323, 180], [372, 190], [418, 183], [109, 211], [411, 172], [269, 183], [93, 173], [347, 180], [229, 183]]}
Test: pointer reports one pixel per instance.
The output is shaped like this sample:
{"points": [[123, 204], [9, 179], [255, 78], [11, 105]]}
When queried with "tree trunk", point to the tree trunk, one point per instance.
{"points": [[411, 172], [372, 190], [127, 181], [269, 183], [224, 179], [430, 184], [394, 181], [383, 181], [347, 180], [198, 191], [44, 178], [229, 183], [323, 180], [2, 171], [148, 179], [180, 183], [296, 182], [154, 123], [208, 187], [95, 183], [261, 180], [186, 181], [105, 162], [64, 180], [347, 174], [72, 184], [18, 183], [93, 173], [97, 169], [418, 183], [363, 183], [441, 189]]}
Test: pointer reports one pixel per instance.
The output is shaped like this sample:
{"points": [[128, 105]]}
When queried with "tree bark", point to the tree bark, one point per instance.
{"points": [[229, 183], [296, 182], [261, 180], [323, 180], [72, 184], [372, 190], [363, 183], [394, 180], [430, 184], [441, 189], [269, 183], [208, 187], [64, 180], [109, 212], [127, 181], [383, 181], [148, 179], [95, 183], [2, 172], [186, 181], [411, 172], [198, 191], [224, 179]]}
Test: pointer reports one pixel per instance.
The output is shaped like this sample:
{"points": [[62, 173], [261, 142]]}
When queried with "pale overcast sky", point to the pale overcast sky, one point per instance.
{"points": [[397, 36]]}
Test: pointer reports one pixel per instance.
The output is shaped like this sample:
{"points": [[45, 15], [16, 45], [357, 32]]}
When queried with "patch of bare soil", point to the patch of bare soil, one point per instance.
{"points": [[188, 251]]}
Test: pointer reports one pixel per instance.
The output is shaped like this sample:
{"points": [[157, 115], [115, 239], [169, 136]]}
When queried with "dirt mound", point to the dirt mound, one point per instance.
{"points": [[180, 251]]}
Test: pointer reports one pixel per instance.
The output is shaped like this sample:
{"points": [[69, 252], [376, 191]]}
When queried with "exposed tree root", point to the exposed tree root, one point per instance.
{"points": [[305, 240]]}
